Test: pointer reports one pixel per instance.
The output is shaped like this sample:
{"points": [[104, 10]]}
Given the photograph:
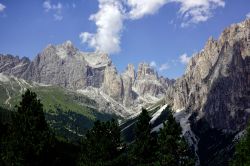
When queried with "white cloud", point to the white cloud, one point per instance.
{"points": [[56, 8], [248, 15], [164, 67], [153, 64], [140, 8], [111, 15], [109, 22], [184, 59], [2, 7], [192, 11], [196, 11]]}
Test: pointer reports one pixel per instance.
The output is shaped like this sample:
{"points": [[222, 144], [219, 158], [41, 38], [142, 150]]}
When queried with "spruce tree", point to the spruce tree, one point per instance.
{"points": [[102, 145], [173, 150], [142, 151], [29, 140]]}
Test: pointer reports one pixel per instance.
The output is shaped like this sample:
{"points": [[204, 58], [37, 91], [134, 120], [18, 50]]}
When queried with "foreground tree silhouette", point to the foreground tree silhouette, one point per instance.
{"points": [[102, 145], [142, 151], [173, 150], [242, 153], [30, 140]]}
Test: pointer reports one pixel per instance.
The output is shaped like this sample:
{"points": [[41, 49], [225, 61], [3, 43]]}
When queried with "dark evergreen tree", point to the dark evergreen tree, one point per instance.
{"points": [[4, 125], [242, 153], [142, 151], [102, 145], [173, 150], [29, 139]]}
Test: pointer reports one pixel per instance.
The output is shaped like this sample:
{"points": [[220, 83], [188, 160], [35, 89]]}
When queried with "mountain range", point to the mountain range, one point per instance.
{"points": [[91, 74]]}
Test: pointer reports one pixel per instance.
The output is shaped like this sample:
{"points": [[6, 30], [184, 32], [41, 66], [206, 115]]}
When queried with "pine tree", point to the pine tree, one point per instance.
{"points": [[173, 150], [102, 145], [29, 139], [142, 151], [242, 153], [3, 132]]}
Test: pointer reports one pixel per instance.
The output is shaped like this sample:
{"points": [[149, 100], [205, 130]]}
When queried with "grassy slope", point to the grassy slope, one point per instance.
{"points": [[70, 114]]}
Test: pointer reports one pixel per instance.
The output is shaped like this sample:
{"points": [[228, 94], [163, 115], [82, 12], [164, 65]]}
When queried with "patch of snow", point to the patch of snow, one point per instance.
{"points": [[4, 78], [157, 128], [158, 113], [128, 126]]}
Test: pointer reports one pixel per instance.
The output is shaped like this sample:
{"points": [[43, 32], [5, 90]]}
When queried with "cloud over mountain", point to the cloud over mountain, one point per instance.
{"points": [[111, 15], [109, 22]]}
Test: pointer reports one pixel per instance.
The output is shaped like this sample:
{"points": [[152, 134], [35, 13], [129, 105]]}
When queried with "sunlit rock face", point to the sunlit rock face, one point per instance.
{"points": [[217, 80], [65, 66]]}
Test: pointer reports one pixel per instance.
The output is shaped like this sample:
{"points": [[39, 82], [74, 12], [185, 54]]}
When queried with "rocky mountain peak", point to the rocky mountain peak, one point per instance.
{"points": [[13, 65], [145, 71], [92, 73], [68, 44], [130, 72], [62, 51], [215, 84], [236, 32]]}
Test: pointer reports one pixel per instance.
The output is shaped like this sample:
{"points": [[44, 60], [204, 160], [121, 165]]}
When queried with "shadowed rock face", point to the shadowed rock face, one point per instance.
{"points": [[217, 80], [65, 66]]}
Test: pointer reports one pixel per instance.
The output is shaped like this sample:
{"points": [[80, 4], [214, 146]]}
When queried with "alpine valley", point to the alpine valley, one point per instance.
{"points": [[211, 101]]}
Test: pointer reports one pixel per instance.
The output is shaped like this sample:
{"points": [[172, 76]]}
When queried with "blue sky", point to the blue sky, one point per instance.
{"points": [[131, 31]]}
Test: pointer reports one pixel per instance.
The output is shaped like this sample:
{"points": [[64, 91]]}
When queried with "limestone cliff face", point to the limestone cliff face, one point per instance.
{"points": [[132, 88], [217, 80], [130, 72], [65, 66], [113, 84], [145, 84], [148, 83]]}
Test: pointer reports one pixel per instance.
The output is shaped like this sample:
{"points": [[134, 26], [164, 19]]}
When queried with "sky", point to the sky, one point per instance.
{"points": [[163, 33]]}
